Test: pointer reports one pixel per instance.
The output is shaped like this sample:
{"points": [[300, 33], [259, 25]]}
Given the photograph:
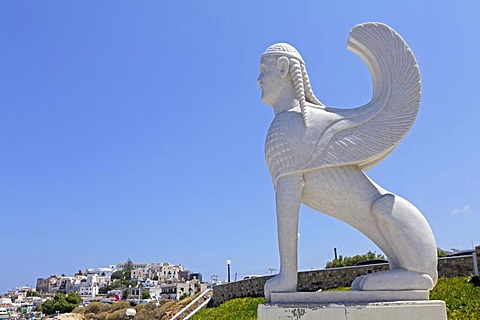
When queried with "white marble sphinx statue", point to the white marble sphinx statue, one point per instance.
{"points": [[316, 156]]}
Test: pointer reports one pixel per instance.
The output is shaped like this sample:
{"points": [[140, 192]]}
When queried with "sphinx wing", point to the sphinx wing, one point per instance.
{"points": [[366, 135]]}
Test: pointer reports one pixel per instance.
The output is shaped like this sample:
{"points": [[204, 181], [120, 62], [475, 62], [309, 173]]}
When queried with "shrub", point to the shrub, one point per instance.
{"points": [[116, 315], [238, 309], [462, 298], [119, 305], [342, 261], [95, 307], [60, 303]]}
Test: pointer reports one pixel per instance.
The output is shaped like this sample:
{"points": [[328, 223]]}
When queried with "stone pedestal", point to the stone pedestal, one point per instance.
{"points": [[351, 296], [400, 310]]}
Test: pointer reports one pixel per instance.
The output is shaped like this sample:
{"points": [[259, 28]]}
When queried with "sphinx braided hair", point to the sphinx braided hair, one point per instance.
{"points": [[308, 88], [298, 72], [303, 89], [297, 78]]}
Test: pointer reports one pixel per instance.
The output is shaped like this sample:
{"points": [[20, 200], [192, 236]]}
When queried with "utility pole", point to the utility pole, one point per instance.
{"points": [[271, 270]]}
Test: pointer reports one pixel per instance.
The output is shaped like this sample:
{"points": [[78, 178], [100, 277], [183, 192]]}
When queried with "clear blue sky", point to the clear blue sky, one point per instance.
{"points": [[135, 130]]}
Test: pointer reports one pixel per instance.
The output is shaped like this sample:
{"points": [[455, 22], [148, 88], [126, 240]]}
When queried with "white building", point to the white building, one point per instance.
{"points": [[174, 291], [150, 283], [89, 291], [165, 272], [5, 300], [103, 272], [93, 281], [135, 265], [138, 274]]}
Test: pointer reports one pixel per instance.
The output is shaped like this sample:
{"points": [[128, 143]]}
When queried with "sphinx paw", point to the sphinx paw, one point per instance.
{"points": [[280, 283], [393, 280]]}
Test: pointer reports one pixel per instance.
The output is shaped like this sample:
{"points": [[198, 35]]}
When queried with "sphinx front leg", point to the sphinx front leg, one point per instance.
{"points": [[288, 199]]}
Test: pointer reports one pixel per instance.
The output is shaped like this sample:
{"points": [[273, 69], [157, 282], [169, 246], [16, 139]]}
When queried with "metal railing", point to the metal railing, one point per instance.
{"points": [[191, 304], [200, 307]]}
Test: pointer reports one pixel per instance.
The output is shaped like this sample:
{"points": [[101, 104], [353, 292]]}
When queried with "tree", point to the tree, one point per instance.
{"points": [[74, 298], [117, 284], [61, 303], [351, 261], [127, 271], [31, 293], [117, 275], [441, 253], [145, 294], [125, 294]]}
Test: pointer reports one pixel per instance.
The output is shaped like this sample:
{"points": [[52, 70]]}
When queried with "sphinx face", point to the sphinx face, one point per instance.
{"points": [[270, 81]]}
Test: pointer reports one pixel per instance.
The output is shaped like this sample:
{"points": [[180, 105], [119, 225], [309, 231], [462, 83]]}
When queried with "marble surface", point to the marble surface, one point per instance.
{"points": [[349, 296], [400, 310], [316, 156]]}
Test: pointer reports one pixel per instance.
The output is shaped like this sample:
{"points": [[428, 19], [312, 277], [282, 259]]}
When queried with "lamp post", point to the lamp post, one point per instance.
{"points": [[228, 269]]}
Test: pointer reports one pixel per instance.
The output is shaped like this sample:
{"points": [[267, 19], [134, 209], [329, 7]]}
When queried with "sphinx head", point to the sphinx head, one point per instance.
{"points": [[282, 69]]}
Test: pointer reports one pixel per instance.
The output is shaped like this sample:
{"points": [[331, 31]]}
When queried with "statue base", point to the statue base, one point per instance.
{"points": [[400, 310], [349, 296]]}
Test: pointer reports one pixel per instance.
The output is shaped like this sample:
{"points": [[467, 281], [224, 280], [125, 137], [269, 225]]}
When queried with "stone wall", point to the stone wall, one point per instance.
{"points": [[307, 281], [335, 277], [238, 289], [324, 279], [455, 266]]}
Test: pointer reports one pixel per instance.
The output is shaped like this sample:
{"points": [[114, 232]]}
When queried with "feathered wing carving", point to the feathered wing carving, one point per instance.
{"points": [[366, 135]]}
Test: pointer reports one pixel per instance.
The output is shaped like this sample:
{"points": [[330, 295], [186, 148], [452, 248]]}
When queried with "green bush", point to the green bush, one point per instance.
{"points": [[61, 303], [236, 309], [95, 307], [99, 311], [462, 298], [145, 294], [119, 305], [116, 315], [117, 284], [339, 289], [342, 261]]}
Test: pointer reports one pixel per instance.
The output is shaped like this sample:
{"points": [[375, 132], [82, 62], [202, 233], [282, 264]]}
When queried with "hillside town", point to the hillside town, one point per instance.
{"points": [[135, 282]]}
